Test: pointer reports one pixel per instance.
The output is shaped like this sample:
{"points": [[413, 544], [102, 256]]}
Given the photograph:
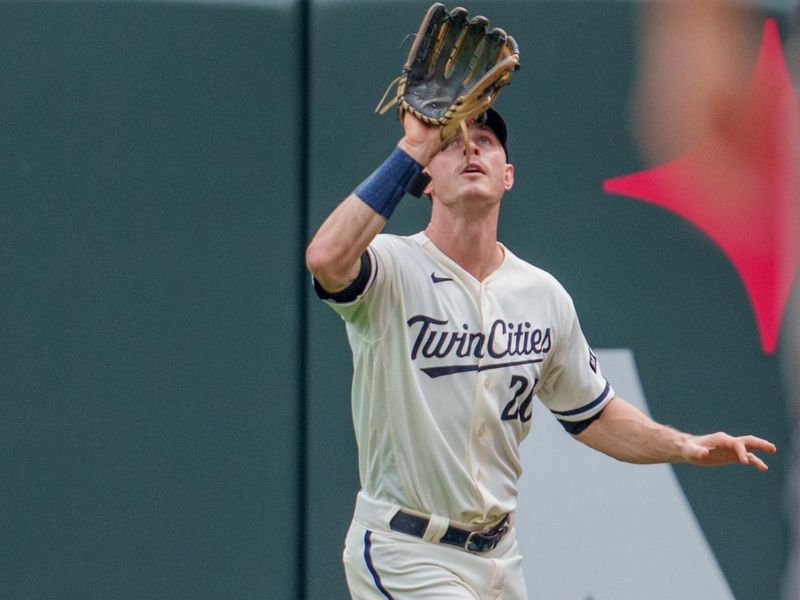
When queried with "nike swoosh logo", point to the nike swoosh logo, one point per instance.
{"points": [[436, 279]]}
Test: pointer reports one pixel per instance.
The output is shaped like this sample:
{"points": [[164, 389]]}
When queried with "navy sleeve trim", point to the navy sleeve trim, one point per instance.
{"points": [[587, 407], [352, 291], [575, 427]]}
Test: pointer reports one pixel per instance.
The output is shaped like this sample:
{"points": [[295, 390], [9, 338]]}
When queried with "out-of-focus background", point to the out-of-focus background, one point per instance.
{"points": [[174, 402]]}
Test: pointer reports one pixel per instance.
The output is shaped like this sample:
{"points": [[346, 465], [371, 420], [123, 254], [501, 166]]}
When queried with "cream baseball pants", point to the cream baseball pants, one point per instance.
{"points": [[381, 564]]}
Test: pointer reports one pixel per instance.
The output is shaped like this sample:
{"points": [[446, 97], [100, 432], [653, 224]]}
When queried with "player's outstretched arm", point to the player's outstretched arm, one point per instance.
{"points": [[334, 254], [627, 434]]}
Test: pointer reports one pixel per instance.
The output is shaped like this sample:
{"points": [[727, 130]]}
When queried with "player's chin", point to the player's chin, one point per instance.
{"points": [[481, 188], [475, 180], [481, 201]]}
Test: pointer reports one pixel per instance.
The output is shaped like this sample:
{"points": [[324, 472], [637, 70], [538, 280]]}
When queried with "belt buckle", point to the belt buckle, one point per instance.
{"points": [[471, 545], [490, 538], [487, 541]]}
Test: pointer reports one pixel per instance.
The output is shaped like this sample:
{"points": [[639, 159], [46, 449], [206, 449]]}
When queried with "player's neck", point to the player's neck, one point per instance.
{"points": [[470, 243]]}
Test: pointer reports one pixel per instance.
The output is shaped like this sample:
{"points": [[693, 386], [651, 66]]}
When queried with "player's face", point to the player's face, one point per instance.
{"points": [[487, 176]]}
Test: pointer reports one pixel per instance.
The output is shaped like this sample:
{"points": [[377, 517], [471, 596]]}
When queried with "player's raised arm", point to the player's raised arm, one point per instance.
{"points": [[334, 254], [627, 434]]}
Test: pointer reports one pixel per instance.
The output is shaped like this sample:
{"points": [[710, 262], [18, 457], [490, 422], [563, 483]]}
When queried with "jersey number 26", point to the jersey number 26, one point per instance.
{"points": [[519, 407]]}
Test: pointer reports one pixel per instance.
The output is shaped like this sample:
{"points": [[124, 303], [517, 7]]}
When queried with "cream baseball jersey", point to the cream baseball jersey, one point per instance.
{"points": [[445, 370]]}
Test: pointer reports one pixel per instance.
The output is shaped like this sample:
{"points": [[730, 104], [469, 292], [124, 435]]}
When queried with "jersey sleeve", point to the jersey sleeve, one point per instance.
{"points": [[573, 387], [356, 288], [367, 303]]}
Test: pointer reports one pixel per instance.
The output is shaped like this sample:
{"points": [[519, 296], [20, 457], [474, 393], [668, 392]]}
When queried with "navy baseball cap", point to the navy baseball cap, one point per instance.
{"points": [[492, 119]]}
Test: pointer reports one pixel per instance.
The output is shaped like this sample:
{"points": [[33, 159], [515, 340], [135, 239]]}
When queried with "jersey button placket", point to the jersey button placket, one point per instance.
{"points": [[483, 383]]}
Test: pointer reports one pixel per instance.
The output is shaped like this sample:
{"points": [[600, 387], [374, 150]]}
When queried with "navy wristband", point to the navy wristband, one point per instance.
{"points": [[383, 190]]}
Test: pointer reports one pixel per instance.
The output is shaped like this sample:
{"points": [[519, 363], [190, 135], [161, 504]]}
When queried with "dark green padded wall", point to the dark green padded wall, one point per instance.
{"points": [[150, 304], [641, 278]]}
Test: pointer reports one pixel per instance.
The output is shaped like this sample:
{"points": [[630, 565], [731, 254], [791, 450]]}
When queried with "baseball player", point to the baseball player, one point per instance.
{"points": [[452, 336]]}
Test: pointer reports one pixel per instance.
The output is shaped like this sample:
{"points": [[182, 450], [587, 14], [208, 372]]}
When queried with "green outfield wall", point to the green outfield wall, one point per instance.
{"points": [[174, 401]]}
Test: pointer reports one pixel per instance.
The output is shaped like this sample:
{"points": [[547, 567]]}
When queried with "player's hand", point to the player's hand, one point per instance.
{"points": [[420, 141], [718, 449]]}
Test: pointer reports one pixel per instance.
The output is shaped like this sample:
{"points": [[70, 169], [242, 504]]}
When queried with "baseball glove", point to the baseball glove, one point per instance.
{"points": [[454, 71]]}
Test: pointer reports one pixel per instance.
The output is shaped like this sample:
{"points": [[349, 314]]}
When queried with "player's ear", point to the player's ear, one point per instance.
{"points": [[508, 177], [428, 188]]}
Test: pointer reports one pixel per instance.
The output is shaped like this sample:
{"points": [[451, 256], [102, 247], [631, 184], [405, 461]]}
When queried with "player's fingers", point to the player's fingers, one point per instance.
{"points": [[757, 462], [741, 451], [755, 443]]}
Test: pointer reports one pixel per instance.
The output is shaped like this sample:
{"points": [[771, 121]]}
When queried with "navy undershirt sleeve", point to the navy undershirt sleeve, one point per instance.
{"points": [[352, 291], [575, 427]]}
